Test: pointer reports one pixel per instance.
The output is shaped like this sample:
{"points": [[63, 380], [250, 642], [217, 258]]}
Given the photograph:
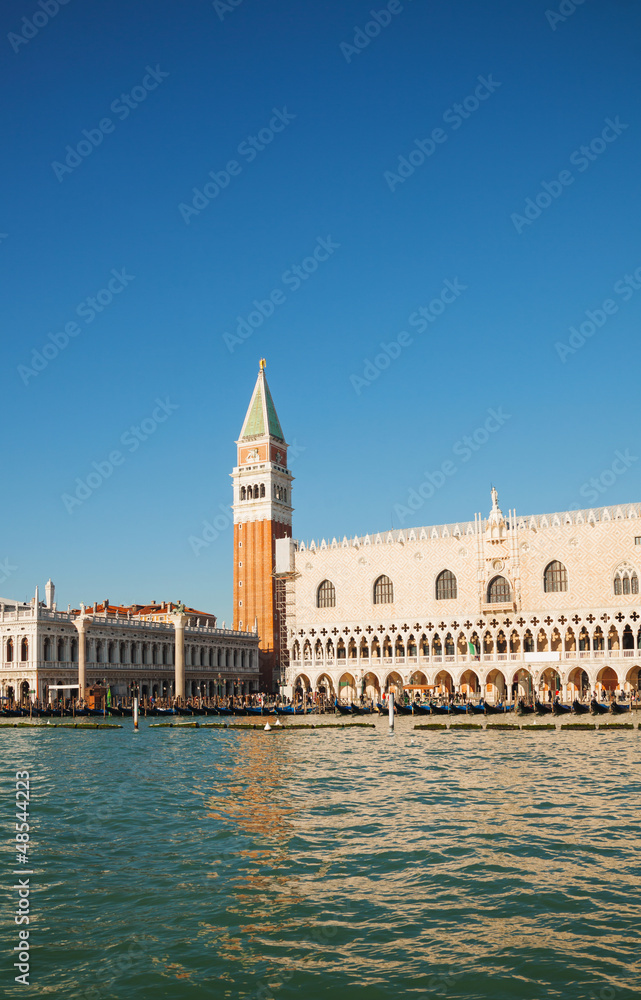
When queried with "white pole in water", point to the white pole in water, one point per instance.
{"points": [[135, 713], [391, 709]]}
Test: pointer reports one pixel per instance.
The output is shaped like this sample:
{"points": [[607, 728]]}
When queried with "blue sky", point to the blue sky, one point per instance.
{"points": [[198, 81]]}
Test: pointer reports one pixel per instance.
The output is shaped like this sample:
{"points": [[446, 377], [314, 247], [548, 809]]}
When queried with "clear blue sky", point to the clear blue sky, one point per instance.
{"points": [[346, 116]]}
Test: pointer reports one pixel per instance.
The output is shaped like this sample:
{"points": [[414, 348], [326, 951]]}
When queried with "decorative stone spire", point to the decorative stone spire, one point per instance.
{"points": [[496, 514]]}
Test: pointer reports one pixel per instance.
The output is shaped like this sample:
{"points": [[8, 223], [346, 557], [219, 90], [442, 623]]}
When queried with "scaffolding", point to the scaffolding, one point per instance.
{"points": [[285, 609]]}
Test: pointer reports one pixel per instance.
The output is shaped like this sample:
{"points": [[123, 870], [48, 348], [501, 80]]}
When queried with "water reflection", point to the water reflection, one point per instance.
{"points": [[331, 863]]}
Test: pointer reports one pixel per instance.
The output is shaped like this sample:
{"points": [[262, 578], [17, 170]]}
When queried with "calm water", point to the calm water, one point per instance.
{"points": [[328, 864]]}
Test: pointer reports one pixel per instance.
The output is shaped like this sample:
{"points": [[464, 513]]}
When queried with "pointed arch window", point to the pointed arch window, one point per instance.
{"points": [[626, 582], [446, 586], [383, 591], [555, 578], [326, 595], [498, 591]]}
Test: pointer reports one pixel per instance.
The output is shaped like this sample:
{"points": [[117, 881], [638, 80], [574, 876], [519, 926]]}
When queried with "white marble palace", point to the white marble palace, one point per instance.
{"points": [[499, 605], [160, 650]]}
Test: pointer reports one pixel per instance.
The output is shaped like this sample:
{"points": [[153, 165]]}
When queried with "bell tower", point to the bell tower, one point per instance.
{"points": [[262, 513]]}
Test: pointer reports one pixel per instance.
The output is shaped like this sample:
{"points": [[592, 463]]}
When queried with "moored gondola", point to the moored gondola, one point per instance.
{"points": [[420, 708], [523, 709], [618, 709], [597, 708], [559, 709], [497, 709], [541, 708], [579, 709], [439, 709], [475, 709]]}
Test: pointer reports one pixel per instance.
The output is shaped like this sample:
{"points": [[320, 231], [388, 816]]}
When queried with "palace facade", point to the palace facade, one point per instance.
{"points": [[158, 650], [503, 605]]}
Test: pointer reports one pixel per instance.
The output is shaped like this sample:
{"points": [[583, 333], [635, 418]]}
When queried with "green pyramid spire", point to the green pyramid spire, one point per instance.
{"points": [[261, 418]]}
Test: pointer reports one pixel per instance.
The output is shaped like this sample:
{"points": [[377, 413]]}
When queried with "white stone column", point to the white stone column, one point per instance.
{"points": [[179, 621], [81, 623]]}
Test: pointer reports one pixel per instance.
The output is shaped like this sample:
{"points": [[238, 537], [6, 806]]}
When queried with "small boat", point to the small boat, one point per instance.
{"points": [[161, 712], [497, 709], [224, 711], [597, 708], [456, 709], [580, 709], [523, 709], [420, 708], [439, 709], [475, 709], [403, 709], [343, 709], [618, 709], [559, 709], [542, 708]]}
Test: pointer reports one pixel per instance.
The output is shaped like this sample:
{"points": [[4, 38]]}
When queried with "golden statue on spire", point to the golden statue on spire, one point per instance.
{"points": [[263, 364]]}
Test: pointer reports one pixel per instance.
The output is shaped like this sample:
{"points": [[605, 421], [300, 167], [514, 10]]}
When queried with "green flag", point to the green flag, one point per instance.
{"points": [[109, 697], [471, 648]]}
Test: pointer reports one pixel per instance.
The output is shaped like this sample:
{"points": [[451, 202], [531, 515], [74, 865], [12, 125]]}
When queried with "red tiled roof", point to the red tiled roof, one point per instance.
{"points": [[140, 610]]}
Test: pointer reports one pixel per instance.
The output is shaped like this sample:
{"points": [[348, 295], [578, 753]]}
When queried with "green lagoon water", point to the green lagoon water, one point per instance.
{"points": [[185, 863]]}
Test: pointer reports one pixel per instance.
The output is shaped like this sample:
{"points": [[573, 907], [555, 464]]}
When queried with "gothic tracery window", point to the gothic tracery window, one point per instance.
{"points": [[498, 591], [626, 581]]}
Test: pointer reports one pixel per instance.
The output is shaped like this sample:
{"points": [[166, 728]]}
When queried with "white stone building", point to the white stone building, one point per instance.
{"points": [[125, 647], [496, 606]]}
